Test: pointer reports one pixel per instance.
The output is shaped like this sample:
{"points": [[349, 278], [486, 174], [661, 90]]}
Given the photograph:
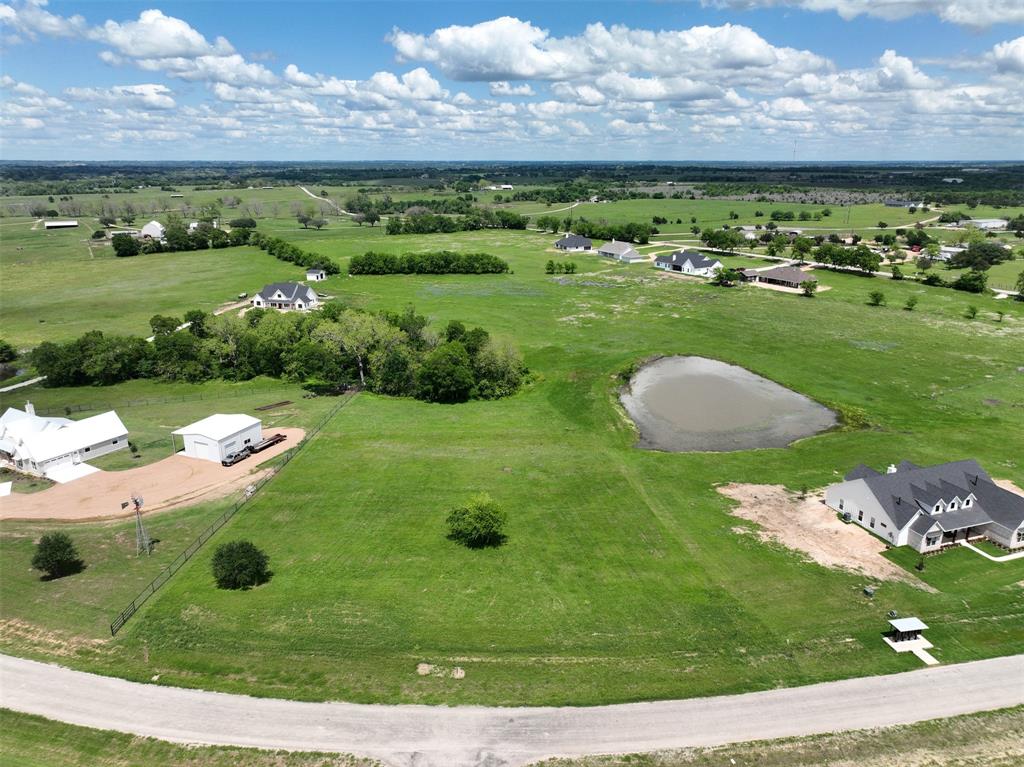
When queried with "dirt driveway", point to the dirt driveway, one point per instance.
{"points": [[171, 483], [810, 527]]}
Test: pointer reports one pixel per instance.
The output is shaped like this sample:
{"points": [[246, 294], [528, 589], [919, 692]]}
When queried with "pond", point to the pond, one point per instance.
{"points": [[688, 404]]}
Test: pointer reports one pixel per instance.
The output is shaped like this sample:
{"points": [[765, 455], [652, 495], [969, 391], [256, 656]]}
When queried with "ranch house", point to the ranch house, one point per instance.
{"points": [[688, 262], [786, 276], [929, 507], [286, 296], [57, 448], [621, 251], [573, 243]]}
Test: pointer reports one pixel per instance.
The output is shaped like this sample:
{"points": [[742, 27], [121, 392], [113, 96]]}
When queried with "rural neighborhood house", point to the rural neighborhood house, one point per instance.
{"points": [[929, 507], [621, 251], [153, 230], [688, 262], [57, 448], [573, 243], [286, 296], [786, 276]]}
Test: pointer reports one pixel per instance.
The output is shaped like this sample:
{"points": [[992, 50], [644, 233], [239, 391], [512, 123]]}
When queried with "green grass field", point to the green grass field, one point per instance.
{"points": [[622, 578]]}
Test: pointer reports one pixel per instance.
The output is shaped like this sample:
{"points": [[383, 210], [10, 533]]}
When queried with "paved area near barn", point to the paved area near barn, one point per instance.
{"points": [[171, 483]]}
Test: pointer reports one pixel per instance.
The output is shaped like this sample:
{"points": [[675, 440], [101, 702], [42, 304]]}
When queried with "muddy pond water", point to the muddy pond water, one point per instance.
{"points": [[687, 404]]}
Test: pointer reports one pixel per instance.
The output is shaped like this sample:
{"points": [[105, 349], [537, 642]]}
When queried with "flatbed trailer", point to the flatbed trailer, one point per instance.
{"points": [[259, 447]]}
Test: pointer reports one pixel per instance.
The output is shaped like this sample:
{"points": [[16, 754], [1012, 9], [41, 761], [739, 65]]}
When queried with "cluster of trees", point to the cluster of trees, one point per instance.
{"points": [[971, 281], [565, 193], [285, 251], [432, 262], [327, 350], [980, 255], [724, 239], [860, 257], [423, 222], [600, 230], [560, 267]]}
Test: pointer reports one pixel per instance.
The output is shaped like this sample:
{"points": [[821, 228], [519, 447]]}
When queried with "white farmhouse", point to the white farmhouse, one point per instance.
{"points": [[688, 262], [621, 251], [154, 230], [286, 296], [216, 437], [930, 507], [57, 448]]}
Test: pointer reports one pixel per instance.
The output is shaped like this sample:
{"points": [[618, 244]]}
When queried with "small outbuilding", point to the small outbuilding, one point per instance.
{"points": [[316, 274], [66, 224], [217, 436], [573, 243]]}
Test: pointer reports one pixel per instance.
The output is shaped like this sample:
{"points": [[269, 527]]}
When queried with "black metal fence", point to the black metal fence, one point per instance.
{"points": [[165, 575]]}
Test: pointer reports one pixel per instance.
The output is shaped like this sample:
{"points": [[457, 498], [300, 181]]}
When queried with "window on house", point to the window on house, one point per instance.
{"points": [[860, 516], [967, 502], [884, 525], [872, 523], [936, 509], [114, 442], [1020, 536], [952, 506], [931, 540], [88, 449], [841, 504]]}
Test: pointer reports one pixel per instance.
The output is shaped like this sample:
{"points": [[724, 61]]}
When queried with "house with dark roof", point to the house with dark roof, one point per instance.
{"points": [[574, 243], [688, 262], [787, 276], [928, 507], [286, 296], [621, 251]]}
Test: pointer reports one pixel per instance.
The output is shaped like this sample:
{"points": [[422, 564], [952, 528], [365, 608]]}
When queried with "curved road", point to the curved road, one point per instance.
{"points": [[464, 736]]}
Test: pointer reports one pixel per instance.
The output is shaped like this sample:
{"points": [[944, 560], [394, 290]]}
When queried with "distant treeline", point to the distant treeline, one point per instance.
{"points": [[178, 238], [476, 219], [433, 262], [326, 350]]}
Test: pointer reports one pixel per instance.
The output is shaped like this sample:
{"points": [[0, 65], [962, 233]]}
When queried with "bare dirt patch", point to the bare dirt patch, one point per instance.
{"points": [[813, 529], [174, 482]]}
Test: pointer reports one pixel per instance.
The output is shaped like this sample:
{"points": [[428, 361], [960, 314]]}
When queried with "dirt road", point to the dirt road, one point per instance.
{"points": [[464, 736]]}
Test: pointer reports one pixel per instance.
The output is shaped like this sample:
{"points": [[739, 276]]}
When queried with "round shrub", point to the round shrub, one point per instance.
{"points": [[478, 524], [240, 565], [57, 556]]}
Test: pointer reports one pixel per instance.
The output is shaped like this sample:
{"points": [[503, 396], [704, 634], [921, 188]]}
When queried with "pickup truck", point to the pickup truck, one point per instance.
{"points": [[234, 458]]}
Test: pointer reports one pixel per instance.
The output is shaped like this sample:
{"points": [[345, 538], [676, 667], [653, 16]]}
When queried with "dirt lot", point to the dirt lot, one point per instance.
{"points": [[810, 527], [171, 483]]}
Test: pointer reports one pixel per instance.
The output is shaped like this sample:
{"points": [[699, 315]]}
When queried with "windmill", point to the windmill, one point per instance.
{"points": [[142, 542]]}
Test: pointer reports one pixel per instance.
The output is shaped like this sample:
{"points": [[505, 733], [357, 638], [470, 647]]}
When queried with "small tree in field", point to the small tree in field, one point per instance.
{"points": [[876, 298], [971, 312], [240, 565], [57, 556], [809, 287], [910, 303], [477, 524]]}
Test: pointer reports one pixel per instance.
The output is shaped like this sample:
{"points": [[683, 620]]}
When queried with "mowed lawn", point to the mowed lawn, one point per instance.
{"points": [[58, 288], [624, 577]]}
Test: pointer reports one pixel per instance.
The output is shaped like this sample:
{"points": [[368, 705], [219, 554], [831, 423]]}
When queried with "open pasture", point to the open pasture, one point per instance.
{"points": [[624, 576]]}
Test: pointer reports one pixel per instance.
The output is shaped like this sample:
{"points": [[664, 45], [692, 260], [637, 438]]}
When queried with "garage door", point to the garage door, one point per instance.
{"points": [[208, 450]]}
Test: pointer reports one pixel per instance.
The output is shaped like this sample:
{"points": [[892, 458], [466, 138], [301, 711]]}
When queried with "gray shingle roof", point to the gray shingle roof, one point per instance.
{"points": [[574, 241], [616, 247], [785, 274], [914, 488], [696, 258], [860, 471], [292, 291]]}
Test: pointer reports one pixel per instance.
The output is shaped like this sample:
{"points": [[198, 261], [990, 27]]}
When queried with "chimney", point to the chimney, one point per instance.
{"points": [[30, 408], [891, 469]]}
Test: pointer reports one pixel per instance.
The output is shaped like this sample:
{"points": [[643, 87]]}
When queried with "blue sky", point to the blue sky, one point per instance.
{"points": [[685, 80]]}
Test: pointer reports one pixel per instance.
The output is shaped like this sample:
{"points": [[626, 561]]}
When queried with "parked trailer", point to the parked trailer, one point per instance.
{"points": [[259, 447]]}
